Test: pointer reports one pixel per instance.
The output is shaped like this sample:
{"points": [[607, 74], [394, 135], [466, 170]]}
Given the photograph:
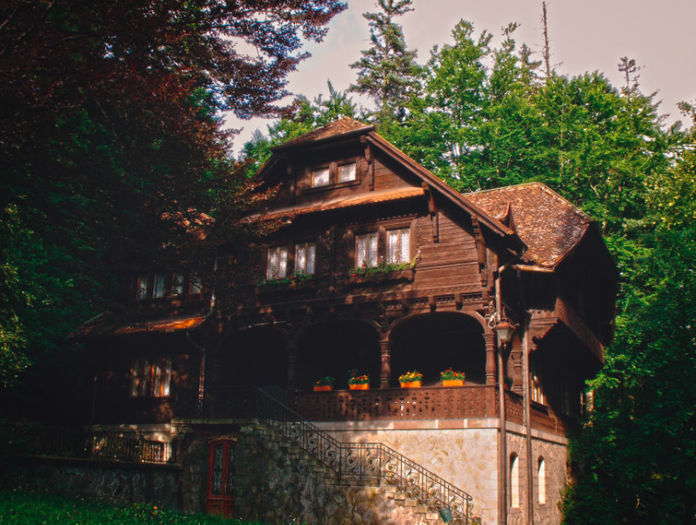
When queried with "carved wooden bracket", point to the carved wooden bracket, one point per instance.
{"points": [[480, 250], [370, 163]]}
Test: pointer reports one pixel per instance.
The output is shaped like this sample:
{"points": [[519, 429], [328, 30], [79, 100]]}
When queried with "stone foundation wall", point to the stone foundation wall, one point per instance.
{"points": [[96, 481], [466, 457]]}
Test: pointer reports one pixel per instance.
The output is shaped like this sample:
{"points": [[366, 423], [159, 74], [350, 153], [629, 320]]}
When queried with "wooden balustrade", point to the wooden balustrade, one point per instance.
{"points": [[396, 403]]}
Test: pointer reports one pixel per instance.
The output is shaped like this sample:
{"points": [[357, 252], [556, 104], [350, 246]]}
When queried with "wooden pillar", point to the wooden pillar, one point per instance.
{"points": [[385, 354], [490, 357], [527, 422]]}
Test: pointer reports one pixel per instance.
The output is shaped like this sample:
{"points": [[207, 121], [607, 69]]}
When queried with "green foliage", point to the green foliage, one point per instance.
{"points": [[297, 277], [381, 268], [302, 118], [25, 509], [387, 71]]}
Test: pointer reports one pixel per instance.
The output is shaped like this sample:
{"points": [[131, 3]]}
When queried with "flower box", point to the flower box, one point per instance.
{"points": [[452, 382], [359, 386], [323, 388], [411, 384], [357, 279]]}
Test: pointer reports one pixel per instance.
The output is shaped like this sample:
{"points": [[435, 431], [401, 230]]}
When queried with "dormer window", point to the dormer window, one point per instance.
{"points": [[320, 177], [346, 172], [334, 174]]}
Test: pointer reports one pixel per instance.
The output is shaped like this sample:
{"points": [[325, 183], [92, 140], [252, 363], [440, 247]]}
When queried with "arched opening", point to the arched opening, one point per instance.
{"points": [[255, 357], [434, 342], [514, 481], [541, 474], [335, 347]]}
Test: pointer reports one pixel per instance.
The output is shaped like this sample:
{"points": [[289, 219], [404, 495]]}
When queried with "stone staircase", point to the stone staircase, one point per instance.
{"points": [[347, 483]]}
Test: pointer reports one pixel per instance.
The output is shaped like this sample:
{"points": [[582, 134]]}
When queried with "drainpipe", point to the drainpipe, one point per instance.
{"points": [[502, 445]]}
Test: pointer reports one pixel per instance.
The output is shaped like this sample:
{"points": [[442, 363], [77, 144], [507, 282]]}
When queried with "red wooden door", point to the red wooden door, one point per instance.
{"points": [[220, 475]]}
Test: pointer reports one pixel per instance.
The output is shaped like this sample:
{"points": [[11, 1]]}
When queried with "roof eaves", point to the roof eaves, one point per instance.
{"points": [[492, 223], [324, 140]]}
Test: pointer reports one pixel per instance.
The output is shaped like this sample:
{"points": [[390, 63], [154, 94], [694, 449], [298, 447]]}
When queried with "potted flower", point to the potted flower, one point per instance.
{"points": [[358, 381], [451, 377], [412, 379], [508, 382], [324, 384]]}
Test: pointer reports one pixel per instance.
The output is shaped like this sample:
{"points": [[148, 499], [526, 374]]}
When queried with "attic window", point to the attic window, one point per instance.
{"points": [[320, 177], [346, 172]]}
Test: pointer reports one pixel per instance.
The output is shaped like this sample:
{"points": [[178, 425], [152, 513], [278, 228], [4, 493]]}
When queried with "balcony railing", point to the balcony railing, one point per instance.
{"points": [[396, 403]]}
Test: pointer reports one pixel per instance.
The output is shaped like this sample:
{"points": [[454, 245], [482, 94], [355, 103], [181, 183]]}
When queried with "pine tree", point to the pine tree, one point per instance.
{"points": [[387, 71]]}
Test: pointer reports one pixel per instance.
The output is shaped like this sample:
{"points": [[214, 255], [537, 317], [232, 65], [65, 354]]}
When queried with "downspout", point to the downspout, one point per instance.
{"points": [[502, 445], [202, 350], [527, 411]]}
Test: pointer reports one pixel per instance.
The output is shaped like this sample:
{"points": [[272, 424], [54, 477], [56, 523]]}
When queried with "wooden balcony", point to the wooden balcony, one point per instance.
{"points": [[428, 403]]}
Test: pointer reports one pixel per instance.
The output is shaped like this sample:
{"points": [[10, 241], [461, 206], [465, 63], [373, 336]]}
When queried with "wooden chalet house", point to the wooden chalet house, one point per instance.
{"points": [[377, 266]]}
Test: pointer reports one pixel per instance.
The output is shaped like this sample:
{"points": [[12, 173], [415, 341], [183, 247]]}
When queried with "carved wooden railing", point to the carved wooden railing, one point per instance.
{"points": [[353, 463], [396, 403]]}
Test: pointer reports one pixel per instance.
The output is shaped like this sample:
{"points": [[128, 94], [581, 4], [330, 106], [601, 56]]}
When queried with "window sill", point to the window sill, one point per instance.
{"points": [[292, 285], [328, 187], [380, 277]]}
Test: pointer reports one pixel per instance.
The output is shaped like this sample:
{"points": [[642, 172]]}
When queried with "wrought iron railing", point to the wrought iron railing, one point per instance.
{"points": [[134, 449], [353, 463]]}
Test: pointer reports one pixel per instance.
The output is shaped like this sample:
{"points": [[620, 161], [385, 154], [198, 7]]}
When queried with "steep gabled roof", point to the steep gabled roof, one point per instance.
{"points": [[337, 128], [549, 225]]}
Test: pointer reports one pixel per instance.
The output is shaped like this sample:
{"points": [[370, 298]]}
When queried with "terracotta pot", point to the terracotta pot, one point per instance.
{"points": [[411, 384], [362, 386], [452, 382], [323, 388]]}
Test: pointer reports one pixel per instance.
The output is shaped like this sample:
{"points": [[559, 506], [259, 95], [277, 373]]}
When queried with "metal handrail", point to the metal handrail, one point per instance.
{"points": [[359, 462]]}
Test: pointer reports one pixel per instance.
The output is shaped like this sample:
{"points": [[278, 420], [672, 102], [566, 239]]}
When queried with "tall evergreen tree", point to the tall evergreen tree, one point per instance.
{"points": [[387, 71]]}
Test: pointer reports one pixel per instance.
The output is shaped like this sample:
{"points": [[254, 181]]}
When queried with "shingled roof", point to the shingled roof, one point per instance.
{"points": [[548, 224], [342, 126]]}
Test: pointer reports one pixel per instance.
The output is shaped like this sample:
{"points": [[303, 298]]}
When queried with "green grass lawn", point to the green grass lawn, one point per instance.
{"points": [[30, 509]]}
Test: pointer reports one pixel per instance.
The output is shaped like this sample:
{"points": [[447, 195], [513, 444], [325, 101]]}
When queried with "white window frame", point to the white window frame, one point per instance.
{"points": [[305, 258], [277, 262], [367, 249], [399, 246]]}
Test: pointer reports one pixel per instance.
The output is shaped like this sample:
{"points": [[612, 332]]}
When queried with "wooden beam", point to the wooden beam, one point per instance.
{"points": [[480, 250]]}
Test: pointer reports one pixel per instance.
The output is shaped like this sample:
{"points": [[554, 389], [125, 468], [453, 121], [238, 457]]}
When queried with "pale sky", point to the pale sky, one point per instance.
{"points": [[585, 35]]}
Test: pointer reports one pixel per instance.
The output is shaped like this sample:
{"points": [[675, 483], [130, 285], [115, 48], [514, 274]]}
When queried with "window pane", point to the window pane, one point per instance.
{"points": [[230, 470], [283, 267], [156, 380], [177, 284], [143, 287], [167, 379], [159, 285], [196, 285], [300, 258], [217, 470], [372, 254], [145, 379], [320, 177], [405, 248], [346, 172], [542, 481], [271, 263], [366, 250], [311, 255], [393, 246]]}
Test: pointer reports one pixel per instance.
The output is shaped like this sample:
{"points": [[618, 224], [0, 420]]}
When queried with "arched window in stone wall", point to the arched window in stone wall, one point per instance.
{"points": [[541, 474], [514, 481]]}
